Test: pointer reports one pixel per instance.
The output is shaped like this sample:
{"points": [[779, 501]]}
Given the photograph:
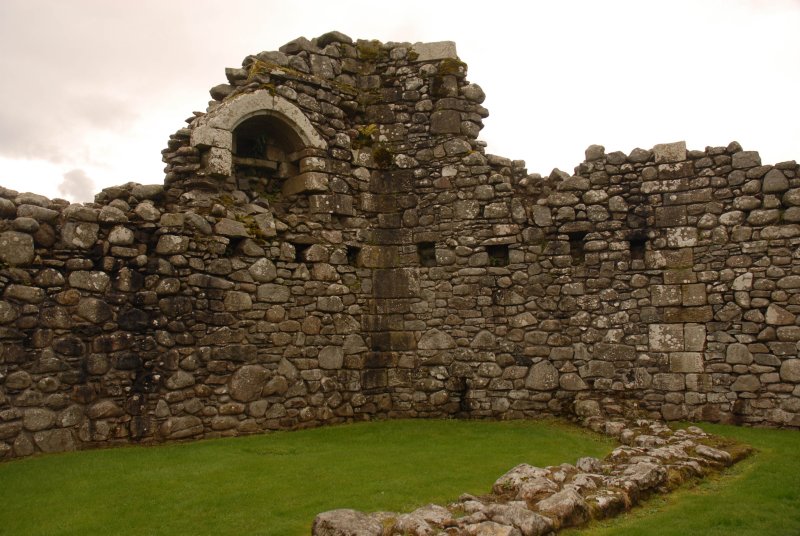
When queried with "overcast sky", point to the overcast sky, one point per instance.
{"points": [[91, 90]]}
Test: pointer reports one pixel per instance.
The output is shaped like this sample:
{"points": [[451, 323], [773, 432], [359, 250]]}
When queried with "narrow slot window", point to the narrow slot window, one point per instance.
{"points": [[638, 246], [352, 255], [427, 253], [576, 247]]}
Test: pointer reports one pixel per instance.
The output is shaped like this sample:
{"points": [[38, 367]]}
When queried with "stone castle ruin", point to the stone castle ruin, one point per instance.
{"points": [[333, 243]]}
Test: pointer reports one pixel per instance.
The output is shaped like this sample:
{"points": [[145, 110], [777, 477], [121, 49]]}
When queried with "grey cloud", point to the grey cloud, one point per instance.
{"points": [[77, 186], [58, 132]]}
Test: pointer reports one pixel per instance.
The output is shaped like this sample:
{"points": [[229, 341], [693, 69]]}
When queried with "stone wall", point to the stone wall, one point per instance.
{"points": [[332, 242]]}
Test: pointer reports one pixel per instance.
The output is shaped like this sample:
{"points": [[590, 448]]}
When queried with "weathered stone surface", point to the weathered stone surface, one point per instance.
{"points": [[179, 380], [778, 316], [747, 382], [263, 271], [775, 182], [54, 440], [790, 370], [670, 152], [738, 354], [435, 51], [16, 249], [94, 310], [181, 427], [104, 409], [435, 339], [237, 301], [543, 376], [91, 281], [528, 523], [746, 159], [566, 508], [80, 234], [345, 522], [247, 382], [18, 380], [666, 337], [35, 419], [172, 244]]}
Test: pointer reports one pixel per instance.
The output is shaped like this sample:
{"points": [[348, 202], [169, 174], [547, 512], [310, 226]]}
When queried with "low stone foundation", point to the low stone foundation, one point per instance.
{"points": [[533, 501]]}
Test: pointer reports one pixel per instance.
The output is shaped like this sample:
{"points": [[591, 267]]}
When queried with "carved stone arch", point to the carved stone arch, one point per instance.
{"points": [[215, 136]]}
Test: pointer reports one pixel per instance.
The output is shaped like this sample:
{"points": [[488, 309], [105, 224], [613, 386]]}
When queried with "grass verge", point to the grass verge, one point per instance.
{"points": [[275, 484]]}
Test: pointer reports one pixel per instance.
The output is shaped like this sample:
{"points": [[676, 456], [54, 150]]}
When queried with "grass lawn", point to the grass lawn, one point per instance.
{"points": [[759, 496], [276, 483]]}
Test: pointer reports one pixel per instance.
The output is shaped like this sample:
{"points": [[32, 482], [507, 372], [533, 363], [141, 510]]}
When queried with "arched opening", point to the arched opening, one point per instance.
{"points": [[265, 153]]}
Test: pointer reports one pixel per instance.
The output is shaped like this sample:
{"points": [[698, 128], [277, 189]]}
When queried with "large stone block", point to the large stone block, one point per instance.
{"points": [[694, 337], [745, 159], [670, 152], [738, 354], [778, 316], [435, 339], [746, 383], [543, 376], [80, 234], [614, 352], [686, 362], [666, 337], [54, 440], [91, 281], [396, 283], [669, 382], [16, 249], [181, 427], [446, 122], [247, 382], [434, 51], [309, 182], [662, 295], [688, 314], [790, 370], [331, 358]]}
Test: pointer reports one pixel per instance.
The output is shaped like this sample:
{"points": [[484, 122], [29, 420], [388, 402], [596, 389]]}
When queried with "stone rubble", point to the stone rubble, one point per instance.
{"points": [[535, 501]]}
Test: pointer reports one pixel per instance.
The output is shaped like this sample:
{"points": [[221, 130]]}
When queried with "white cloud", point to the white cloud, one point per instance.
{"points": [[77, 186], [99, 86]]}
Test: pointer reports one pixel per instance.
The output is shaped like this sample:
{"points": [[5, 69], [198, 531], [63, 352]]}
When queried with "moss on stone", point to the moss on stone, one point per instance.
{"points": [[382, 156], [371, 50], [452, 66]]}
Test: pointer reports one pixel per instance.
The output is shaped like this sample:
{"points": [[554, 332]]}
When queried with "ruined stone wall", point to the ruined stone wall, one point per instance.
{"points": [[332, 242]]}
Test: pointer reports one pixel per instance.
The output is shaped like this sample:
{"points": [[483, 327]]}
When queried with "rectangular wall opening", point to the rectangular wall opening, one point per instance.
{"points": [[352, 255], [300, 251], [576, 247], [427, 253], [638, 246], [498, 254]]}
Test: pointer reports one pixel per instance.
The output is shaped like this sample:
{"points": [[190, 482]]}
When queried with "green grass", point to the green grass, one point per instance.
{"points": [[276, 483], [759, 496]]}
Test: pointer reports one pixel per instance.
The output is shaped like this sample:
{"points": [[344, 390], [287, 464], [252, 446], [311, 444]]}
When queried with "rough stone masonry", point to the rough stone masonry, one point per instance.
{"points": [[333, 243]]}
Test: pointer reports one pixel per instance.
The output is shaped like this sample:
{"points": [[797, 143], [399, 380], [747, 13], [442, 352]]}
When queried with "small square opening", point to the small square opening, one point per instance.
{"points": [[352, 255], [300, 252], [427, 253], [498, 254]]}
